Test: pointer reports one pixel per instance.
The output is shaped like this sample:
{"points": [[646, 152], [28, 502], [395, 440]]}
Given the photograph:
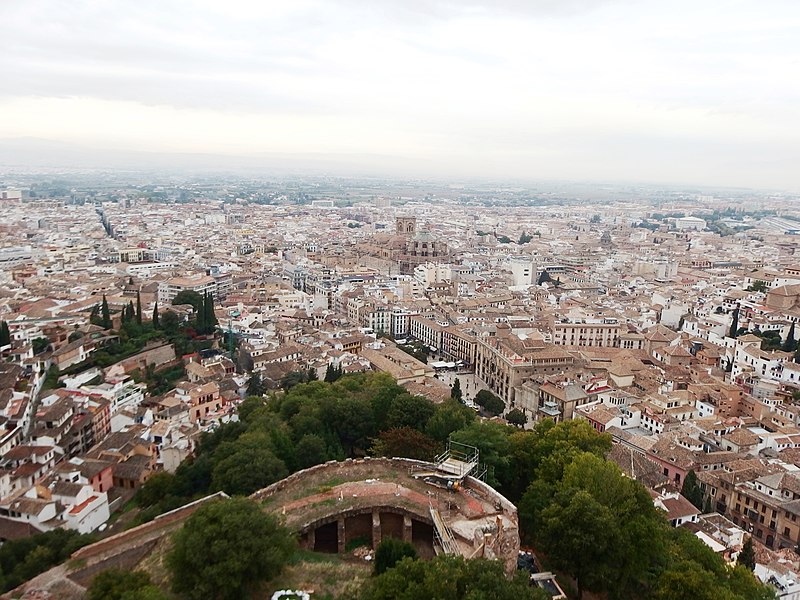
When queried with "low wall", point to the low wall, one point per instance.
{"points": [[155, 529]]}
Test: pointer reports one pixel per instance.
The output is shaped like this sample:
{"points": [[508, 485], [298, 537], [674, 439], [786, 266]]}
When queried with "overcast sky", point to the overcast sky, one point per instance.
{"points": [[700, 91]]}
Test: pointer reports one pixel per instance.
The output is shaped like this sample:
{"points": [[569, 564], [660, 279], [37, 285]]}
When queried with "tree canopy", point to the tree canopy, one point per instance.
{"points": [[5, 334], [118, 584], [602, 529], [226, 549], [575, 507], [390, 552], [23, 559], [490, 402], [455, 391], [516, 417], [449, 577]]}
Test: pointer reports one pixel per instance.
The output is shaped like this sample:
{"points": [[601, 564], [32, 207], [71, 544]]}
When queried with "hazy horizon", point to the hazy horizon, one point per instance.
{"points": [[602, 90]]}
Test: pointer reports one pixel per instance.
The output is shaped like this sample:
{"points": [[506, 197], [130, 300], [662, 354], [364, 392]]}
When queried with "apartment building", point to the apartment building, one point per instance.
{"points": [[603, 333], [505, 361], [168, 289]]}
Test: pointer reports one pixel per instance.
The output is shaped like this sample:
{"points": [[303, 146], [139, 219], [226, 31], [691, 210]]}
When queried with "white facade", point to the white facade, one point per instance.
{"points": [[690, 224], [522, 272], [167, 290]]}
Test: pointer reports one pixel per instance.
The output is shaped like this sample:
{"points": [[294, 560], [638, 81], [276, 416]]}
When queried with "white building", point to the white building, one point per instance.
{"points": [[167, 290], [690, 224], [522, 271]]}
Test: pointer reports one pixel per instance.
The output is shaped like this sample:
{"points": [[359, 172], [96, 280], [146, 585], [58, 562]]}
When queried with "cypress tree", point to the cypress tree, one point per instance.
{"points": [[155, 316], [734, 323], [747, 556], [691, 490], [138, 308], [211, 318], [5, 334], [94, 316], [333, 373], [255, 387], [790, 345], [455, 391], [105, 314]]}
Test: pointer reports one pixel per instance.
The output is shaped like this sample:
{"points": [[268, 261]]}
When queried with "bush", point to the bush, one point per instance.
{"points": [[390, 552]]}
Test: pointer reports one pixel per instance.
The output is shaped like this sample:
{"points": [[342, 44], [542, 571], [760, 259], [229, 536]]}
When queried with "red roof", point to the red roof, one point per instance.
{"points": [[79, 508]]}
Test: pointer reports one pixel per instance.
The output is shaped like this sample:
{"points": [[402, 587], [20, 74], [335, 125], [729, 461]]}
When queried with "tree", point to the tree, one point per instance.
{"points": [[255, 387], [482, 396], [524, 238], [405, 442], [310, 450], [249, 464], [118, 584], [128, 313], [40, 344], [226, 549], [155, 316], [596, 525], [544, 277], [138, 308], [734, 330], [157, 486], [351, 420], [757, 286], [5, 334], [747, 557], [189, 297], [170, 321], [332, 373], [595, 219], [491, 403], [492, 441], [105, 314], [24, 558], [210, 317], [790, 344], [293, 378], [75, 335], [516, 417], [410, 411], [390, 552], [689, 583], [448, 577], [691, 490], [589, 534], [455, 391], [448, 417]]}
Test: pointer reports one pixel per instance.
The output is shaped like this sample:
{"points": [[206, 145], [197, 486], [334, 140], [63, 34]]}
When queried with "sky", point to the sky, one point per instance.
{"points": [[685, 92]]}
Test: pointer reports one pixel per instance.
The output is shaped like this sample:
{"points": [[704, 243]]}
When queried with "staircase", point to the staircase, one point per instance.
{"points": [[444, 535]]}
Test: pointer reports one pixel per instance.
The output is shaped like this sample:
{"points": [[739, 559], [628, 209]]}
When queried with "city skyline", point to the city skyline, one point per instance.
{"points": [[594, 90]]}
